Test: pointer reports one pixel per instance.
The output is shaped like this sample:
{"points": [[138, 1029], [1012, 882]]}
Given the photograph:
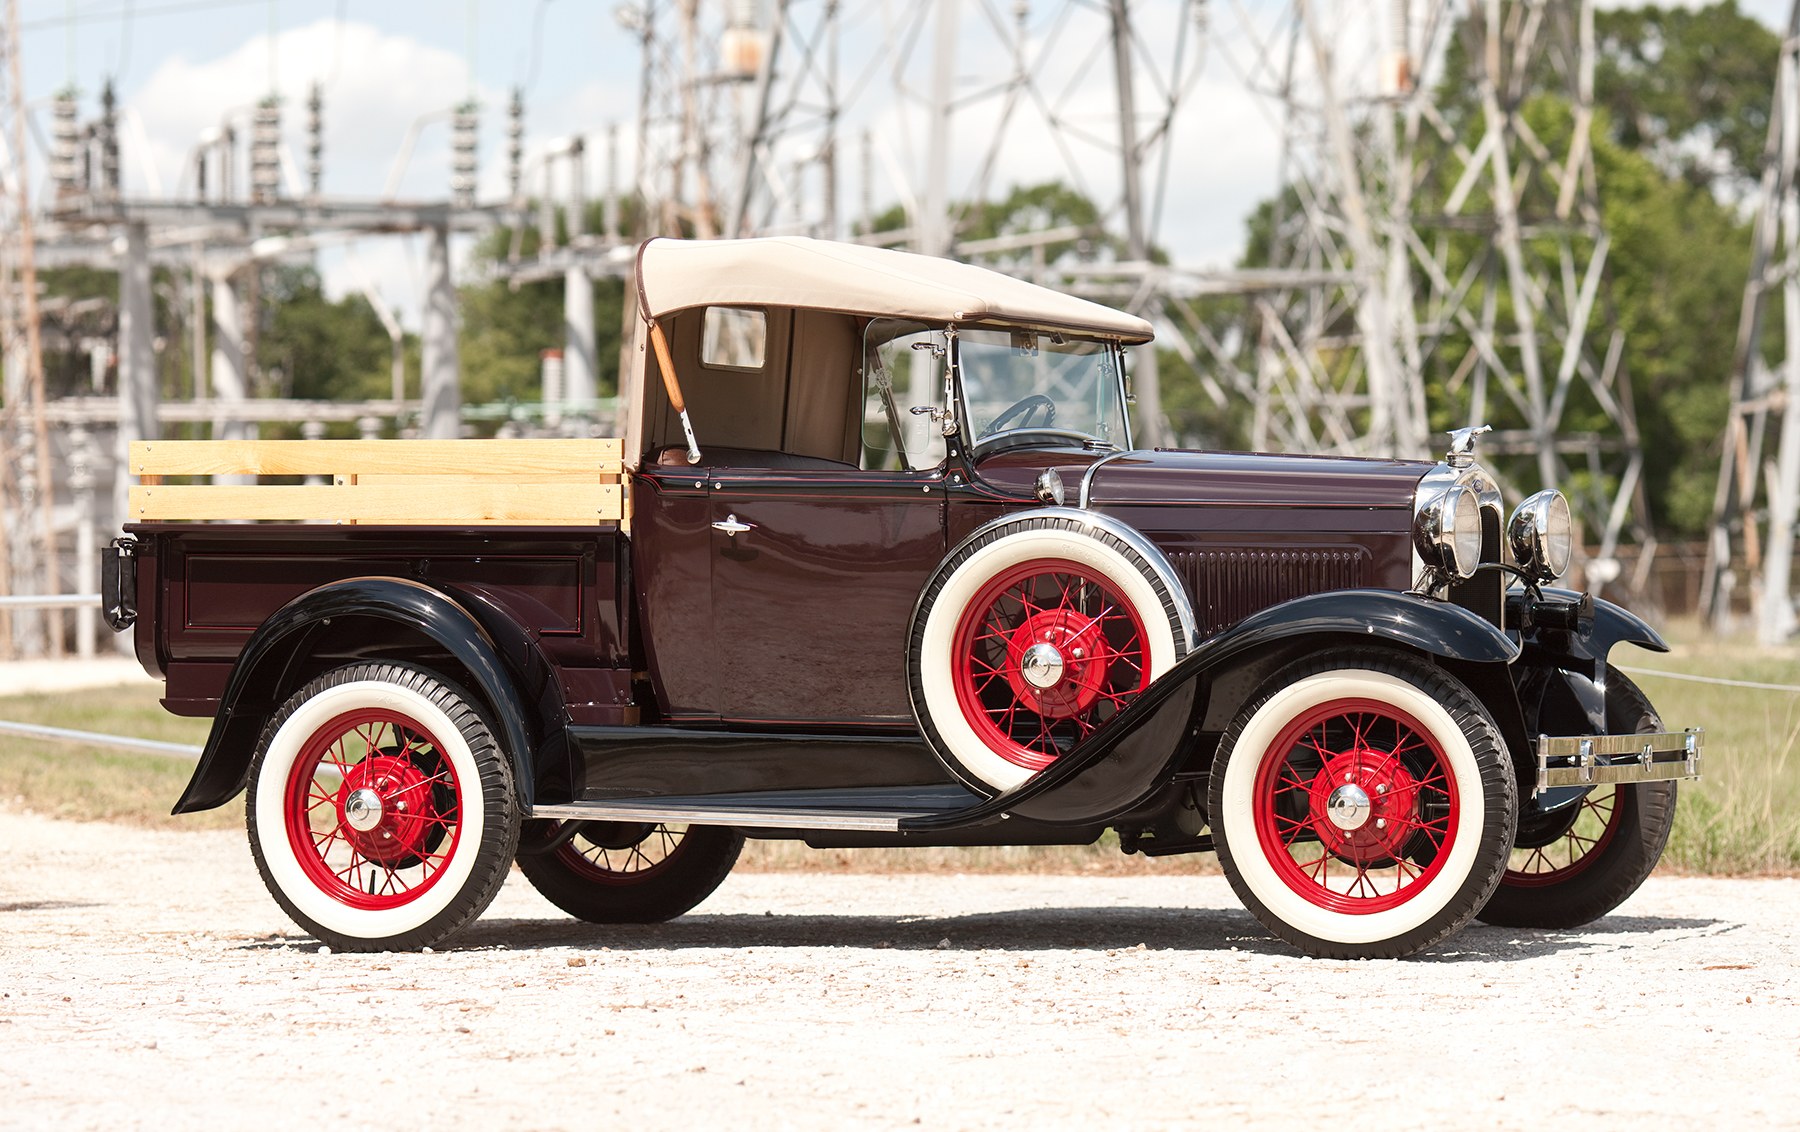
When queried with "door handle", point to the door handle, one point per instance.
{"points": [[732, 528]]}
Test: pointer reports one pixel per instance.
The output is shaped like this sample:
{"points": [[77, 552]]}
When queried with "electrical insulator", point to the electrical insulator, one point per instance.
{"points": [[462, 156], [65, 160], [515, 142], [315, 140], [743, 45], [109, 140], [265, 151]]}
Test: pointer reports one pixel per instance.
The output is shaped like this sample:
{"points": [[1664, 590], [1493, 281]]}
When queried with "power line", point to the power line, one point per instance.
{"points": [[537, 42], [128, 11]]}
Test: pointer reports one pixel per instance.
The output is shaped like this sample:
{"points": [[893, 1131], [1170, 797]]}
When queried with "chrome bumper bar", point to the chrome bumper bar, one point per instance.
{"points": [[1589, 760]]}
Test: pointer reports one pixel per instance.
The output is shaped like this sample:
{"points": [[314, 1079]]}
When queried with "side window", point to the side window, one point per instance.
{"points": [[903, 368], [734, 338]]}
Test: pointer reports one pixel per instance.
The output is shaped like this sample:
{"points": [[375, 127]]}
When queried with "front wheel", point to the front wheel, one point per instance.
{"points": [[1571, 867], [381, 812], [609, 872], [1362, 805]]}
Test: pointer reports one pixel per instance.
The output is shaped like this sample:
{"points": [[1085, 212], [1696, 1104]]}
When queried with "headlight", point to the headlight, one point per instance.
{"points": [[1447, 530], [1542, 535]]}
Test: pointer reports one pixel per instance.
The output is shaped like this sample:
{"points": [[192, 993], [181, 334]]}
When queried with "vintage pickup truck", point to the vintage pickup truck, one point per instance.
{"points": [[876, 563]]}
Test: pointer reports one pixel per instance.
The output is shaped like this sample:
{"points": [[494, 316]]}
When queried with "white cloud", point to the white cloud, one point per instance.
{"points": [[377, 85]]}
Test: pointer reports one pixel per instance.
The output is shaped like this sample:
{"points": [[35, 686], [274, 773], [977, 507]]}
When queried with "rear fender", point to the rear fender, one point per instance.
{"points": [[1124, 763], [503, 666]]}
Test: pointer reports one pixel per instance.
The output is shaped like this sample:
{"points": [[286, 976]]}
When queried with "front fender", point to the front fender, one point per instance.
{"points": [[1123, 763], [1595, 632], [267, 667]]}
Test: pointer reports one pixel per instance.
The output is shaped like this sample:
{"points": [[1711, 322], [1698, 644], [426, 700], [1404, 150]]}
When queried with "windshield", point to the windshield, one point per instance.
{"points": [[1027, 380], [903, 371]]}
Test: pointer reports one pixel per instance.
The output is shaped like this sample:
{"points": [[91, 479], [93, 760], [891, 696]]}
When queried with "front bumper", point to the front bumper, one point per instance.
{"points": [[1589, 760]]}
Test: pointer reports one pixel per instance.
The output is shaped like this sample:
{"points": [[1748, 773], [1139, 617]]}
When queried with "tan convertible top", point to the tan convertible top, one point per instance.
{"points": [[791, 271]]}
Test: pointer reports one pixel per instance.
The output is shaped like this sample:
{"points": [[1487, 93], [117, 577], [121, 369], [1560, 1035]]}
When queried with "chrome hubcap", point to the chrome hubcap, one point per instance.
{"points": [[362, 810], [1348, 807], [1042, 666]]}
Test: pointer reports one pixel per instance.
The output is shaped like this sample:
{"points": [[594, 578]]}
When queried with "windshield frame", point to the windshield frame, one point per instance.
{"points": [[965, 420]]}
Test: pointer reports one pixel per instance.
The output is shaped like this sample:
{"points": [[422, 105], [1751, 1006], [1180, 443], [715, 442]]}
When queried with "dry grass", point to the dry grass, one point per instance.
{"points": [[1742, 818]]}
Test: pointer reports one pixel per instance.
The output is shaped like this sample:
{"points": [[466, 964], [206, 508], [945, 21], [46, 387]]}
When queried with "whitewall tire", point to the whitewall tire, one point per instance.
{"points": [[1034, 633], [381, 812], [1362, 804]]}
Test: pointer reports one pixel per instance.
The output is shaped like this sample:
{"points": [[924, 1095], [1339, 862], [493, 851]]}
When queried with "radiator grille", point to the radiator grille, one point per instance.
{"points": [[1227, 586]]}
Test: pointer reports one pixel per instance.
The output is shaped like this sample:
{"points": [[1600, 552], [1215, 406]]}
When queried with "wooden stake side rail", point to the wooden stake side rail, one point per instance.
{"points": [[563, 482]]}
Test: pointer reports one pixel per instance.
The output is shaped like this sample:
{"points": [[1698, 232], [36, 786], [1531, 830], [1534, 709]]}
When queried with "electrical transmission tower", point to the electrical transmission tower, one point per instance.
{"points": [[746, 108], [1438, 252], [1754, 498], [1437, 255]]}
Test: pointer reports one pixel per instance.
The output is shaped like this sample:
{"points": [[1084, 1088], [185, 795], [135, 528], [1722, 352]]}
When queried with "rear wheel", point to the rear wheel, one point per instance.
{"points": [[1571, 867], [1362, 805], [380, 810], [633, 872]]}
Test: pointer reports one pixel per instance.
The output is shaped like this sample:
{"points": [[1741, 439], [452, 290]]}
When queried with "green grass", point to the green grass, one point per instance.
{"points": [[69, 780], [1742, 818]]}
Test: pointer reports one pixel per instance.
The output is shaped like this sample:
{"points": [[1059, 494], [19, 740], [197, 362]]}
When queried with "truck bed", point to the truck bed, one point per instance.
{"points": [[533, 528]]}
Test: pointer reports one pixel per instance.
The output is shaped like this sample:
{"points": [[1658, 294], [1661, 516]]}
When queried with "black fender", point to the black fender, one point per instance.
{"points": [[268, 668], [1134, 755], [1567, 637], [1598, 626], [1561, 677]]}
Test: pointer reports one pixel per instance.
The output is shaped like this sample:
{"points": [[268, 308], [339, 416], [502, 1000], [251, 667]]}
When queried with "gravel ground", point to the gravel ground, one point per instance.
{"points": [[150, 982]]}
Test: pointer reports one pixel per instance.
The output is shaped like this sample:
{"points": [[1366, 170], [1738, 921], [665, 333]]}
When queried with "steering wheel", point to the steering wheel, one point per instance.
{"points": [[1024, 407]]}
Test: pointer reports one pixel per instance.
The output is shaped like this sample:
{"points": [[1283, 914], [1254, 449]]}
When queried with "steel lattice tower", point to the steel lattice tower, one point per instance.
{"points": [[1438, 259], [1755, 499]]}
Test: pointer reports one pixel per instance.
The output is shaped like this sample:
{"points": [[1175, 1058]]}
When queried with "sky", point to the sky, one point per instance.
{"points": [[183, 66]]}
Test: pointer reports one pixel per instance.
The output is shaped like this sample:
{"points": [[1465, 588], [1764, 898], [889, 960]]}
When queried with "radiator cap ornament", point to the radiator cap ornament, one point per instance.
{"points": [[1462, 445]]}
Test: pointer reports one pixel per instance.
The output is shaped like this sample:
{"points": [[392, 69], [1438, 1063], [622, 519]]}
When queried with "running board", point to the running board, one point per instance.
{"points": [[877, 810]]}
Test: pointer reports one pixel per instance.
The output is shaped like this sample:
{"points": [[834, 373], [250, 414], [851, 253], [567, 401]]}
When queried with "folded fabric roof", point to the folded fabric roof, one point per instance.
{"points": [[792, 271]]}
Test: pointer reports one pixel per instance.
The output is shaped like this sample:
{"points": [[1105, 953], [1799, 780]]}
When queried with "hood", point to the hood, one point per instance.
{"points": [[1234, 479]]}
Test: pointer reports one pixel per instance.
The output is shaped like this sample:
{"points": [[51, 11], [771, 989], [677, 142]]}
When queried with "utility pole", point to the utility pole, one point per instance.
{"points": [[24, 285], [1146, 381]]}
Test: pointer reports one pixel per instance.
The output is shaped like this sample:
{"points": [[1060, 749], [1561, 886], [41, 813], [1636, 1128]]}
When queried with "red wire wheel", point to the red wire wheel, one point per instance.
{"points": [[372, 809], [1046, 653], [621, 853], [1568, 855], [1355, 806]]}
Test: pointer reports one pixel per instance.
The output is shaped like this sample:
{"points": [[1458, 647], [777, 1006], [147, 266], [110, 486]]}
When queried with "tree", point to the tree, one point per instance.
{"points": [[1688, 88], [505, 329], [313, 348], [1023, 210], [1682, 103]]}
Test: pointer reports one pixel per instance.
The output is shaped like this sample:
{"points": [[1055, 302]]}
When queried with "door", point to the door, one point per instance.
{"points": [[815, 574]]}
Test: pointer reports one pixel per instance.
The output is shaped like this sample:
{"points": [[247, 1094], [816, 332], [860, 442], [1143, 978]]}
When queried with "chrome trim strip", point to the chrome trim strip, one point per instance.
{"points": [[870, 820], [1087, 477], [1580, 755]]}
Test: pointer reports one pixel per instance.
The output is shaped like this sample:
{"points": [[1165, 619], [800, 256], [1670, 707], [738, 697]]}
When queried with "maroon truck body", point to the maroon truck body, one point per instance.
{"points": [[1332, 671]]}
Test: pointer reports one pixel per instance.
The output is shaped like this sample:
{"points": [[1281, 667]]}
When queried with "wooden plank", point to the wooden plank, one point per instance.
{"points": [[358, 457], [474, 501], [459, 480]]}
